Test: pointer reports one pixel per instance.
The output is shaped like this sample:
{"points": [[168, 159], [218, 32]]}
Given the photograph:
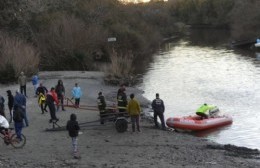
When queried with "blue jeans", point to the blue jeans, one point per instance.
{"points": [[25, 117], [18, 129]]}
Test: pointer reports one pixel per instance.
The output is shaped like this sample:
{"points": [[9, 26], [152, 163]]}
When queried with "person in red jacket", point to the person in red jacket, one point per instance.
{"points": [[50, 99]]}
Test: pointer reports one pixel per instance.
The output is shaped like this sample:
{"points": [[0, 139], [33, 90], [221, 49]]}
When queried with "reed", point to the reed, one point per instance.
{"points": [[16, 56], [120, 66]]}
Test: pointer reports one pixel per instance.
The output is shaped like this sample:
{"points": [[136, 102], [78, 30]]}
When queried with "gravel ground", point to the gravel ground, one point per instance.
{"points": [[101, 145]]}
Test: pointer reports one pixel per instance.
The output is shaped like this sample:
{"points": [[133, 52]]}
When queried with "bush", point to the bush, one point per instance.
{"points": [[120, 66], [16, 56]]}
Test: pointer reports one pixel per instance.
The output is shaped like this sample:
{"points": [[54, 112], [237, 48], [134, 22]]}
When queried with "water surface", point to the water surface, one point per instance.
{"points": [[188, 74]]}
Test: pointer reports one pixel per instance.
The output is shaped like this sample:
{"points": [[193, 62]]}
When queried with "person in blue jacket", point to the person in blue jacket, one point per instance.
{"points": [[76, 94], [20, 102], [35, 82]]}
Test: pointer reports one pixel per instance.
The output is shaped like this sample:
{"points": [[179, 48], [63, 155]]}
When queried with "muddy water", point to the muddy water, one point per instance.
{"points": [[190, 72]]}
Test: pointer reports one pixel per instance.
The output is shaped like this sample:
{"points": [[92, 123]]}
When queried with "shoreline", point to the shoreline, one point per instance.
{"points": [[102, 146]]}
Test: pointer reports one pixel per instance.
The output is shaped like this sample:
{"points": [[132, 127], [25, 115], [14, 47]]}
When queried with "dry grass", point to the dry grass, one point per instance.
{"points": [[18, 55], [120, 66]]}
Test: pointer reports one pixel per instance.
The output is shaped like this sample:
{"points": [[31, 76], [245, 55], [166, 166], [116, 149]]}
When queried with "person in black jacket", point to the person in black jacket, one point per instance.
{"points": [[2, 105], [60, 90], [18, 117], [10, 104], [121, 101], [158, 108], [101, 106], [73, 129]]}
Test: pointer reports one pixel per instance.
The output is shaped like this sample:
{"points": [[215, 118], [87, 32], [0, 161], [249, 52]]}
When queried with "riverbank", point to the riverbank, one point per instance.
{"points": [[102, 146]]}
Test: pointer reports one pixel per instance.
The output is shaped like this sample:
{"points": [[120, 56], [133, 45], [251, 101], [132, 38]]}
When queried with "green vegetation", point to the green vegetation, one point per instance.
{"points": [[67, 35]]}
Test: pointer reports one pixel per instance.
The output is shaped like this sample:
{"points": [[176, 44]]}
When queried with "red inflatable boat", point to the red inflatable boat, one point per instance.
{"points": [[195, 123]]}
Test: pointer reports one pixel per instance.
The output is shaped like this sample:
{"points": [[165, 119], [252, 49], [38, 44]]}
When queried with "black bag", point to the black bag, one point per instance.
{"points": [[18, 114]]}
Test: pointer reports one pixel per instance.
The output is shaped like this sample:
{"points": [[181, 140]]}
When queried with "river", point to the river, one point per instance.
{"points": [[202, 68]]}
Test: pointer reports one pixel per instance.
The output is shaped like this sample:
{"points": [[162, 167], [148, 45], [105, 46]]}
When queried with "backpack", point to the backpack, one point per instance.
{"points": [[18, 115]]}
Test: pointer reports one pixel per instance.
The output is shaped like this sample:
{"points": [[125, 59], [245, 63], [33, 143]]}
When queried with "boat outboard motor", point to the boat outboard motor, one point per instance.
{"points": [[214, 112]]}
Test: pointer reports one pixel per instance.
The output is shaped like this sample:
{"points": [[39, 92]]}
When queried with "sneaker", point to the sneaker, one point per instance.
{"points": [[63, 110], [77, 157]]}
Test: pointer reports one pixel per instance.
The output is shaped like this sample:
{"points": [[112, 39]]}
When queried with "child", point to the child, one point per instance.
{"points": [[76, 93], [73, 129]]}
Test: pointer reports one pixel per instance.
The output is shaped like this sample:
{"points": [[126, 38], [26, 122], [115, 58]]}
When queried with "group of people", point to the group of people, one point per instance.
{"points": [[56, 95], [132, 107], [17, 109]]}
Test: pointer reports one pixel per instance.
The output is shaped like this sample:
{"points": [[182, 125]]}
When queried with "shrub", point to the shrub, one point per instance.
{"points": [[16, 56], [120, 66]]}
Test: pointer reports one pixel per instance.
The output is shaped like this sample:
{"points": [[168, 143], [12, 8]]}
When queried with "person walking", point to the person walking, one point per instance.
{"points": [[60, 90], [73, 130], [41, 91], [2, 105], [121, 101], [101, 106], [134, 111], [76, 94], [20, 101], [10, 104], [35, 82], [158, 107], [22, 82], [50, 99], [18, 117]]}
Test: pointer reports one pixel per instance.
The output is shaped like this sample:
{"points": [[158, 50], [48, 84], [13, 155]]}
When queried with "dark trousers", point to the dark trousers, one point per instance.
{"points": [[23, 90], [61, 100], [52, 111], [161, 116], [202, 115], [135, 121], [25, 118], [11, 113], [77, 100], [18, 129]]}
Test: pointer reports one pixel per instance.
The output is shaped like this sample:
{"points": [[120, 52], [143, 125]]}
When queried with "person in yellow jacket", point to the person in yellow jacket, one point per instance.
{"points": [[134, 110], [206, 110]]}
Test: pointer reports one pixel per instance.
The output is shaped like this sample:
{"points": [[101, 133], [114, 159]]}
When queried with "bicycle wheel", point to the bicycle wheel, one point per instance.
{"points": [[17, 143]]}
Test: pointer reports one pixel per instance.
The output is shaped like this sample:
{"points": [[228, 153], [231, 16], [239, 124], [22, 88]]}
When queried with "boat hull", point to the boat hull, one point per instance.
{"points": [[194, 123]]}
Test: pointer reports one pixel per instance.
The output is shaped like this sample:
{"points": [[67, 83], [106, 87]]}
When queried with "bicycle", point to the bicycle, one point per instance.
{"points": [[10, 137]]}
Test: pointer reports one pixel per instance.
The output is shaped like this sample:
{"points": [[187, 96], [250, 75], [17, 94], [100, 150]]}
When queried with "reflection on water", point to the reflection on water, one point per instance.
{"points": [[188, 75]]}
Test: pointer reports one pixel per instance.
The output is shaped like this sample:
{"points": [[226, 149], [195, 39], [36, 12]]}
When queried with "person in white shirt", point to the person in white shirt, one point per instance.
{"points": [[4, 124]]}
